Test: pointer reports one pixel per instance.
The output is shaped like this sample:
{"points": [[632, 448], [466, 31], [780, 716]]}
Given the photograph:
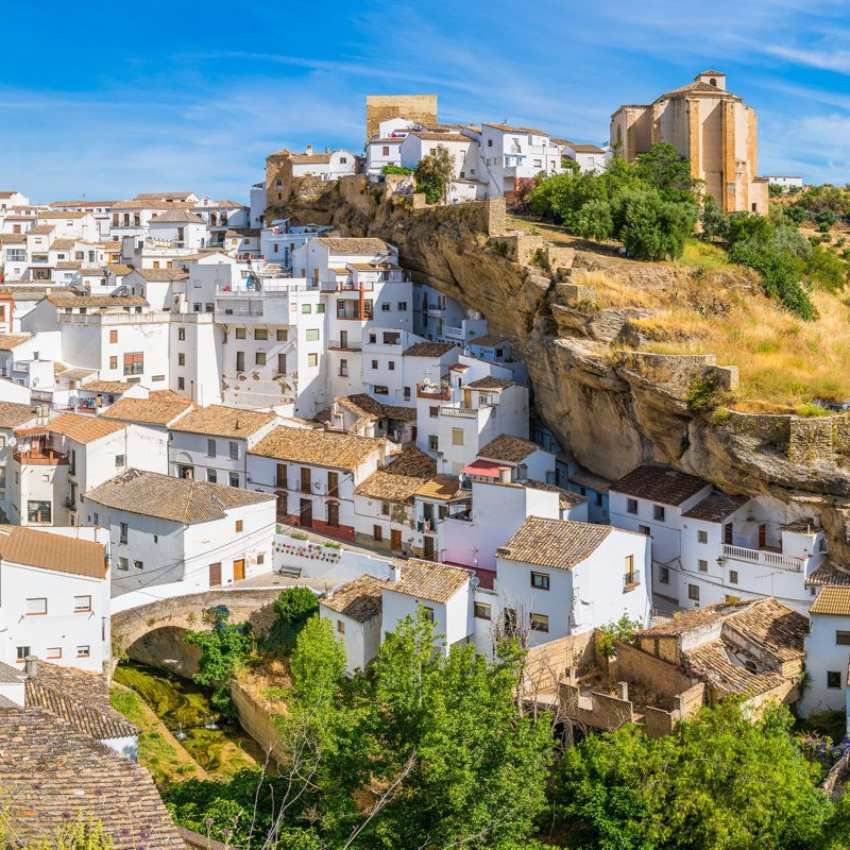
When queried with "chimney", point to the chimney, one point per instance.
{"points": [[309, 150], [395, 571], [623, 690], [505, 474], [31, 667]]}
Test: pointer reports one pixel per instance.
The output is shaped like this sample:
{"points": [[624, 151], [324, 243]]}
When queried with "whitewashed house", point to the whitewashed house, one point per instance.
{"points": [[12, 416], [558, 577], [509, 156], [67, 224], [590, 159], [354, 611], [165, 530], [827, 648], [54, 597], [314, 474], [212, 443], [462, 150]]}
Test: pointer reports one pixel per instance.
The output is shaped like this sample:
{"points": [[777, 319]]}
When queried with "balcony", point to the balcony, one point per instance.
{"points": [[631, 581], [40, 457], [441, 393], [453, 333], [762, 556], [337, 345], [459, 412]]}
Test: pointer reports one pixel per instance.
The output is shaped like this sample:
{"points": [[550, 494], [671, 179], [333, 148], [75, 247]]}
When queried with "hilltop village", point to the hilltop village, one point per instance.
{"points": [[205, 403]]}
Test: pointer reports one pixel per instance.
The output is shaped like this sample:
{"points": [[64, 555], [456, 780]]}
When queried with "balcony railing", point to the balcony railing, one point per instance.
{"points": [[40, 457], [459, 412], [631, 580], [453, 333], [762, 556]]}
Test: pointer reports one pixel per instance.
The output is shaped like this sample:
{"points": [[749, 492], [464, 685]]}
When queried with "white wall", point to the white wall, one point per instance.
{"points": [[824, 654]]}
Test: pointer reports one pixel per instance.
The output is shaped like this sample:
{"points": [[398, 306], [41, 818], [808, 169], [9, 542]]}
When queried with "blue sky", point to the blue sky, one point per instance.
{"points": [[107, 100]]}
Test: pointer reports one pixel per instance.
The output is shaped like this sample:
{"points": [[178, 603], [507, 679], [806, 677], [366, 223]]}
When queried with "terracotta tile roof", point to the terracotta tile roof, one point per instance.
{"points": [[400, 480], [106, 386], [10, 341], [490, 382], [50, 773], [63, 244], [445, 488], [67, 299], [428, 580], [508, 449], [310, 158], [659, 484], [440, 137], [428, 349], [69, 265], [82, 429], [61, 214], [12, 415], [554, 543], [832, 601], [81, 698], [41, 230], [162, 196], [176, 499], [148, 411], [773, 625], [505, 128], [488, 340], [149, 204], [365, 405], [12, 238], [54, 552], [217, 420], [829, 573], [566, 498], [716, 506], [685, 621], [317, 448], [162, 274], [719, 666], [578, 148], [352, 245], [178, 216], [697, 87], [359, 599]]}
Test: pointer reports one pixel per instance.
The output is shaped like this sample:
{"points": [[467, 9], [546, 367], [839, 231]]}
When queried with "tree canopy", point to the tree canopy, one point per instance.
{"points": [[433, 174]]}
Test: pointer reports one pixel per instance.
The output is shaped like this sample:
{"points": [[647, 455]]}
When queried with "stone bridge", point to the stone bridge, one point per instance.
{"points": [[187, 612]]}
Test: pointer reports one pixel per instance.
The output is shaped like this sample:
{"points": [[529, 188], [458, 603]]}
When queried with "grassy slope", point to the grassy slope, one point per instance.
{"points": [[784, 362]]}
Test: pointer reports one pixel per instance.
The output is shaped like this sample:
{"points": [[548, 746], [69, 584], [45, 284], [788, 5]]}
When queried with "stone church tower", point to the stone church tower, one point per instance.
{"points": [[710, 126]]}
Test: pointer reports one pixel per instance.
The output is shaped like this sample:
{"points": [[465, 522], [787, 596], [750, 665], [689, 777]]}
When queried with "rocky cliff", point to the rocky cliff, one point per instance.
{"points": [[611, 405]]}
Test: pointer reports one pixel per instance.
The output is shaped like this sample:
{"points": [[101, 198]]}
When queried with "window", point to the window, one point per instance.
{"points": [[645, 530], [482, 611], [402, 306], [22, 652], [842, 638], [380, 389], [703, 565], [139, 565], [120, 460], [374, 364], [433, 443], [391, 365], [113, 337], [134, 363], [429, 613], [181, 334], [181, 359], [702, 536], [407, 393], [540, 581], [434, 412], [212, 476], [123, 564], [210, 448], [36, 606], [833, 679], [631, 506], [240, 333], [82, 604], [664, 575], [234, 479], [306, 308], [340, 627], [457, 436], [312, 360], [385, 508], [658, 513], [733, 576], [629, 574], [113, 362], [240, 525], [261, 333], [123, 533], [83, 651], [181, 383], [392, 337], [54, 652], [38, 511], [386, 307], [693, 592], [261, 559], [539, 623], [234, 450]]}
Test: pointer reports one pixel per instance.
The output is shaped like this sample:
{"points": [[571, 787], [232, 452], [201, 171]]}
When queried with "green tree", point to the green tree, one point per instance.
{"points": [[826, 269], [664, 169], [433, 174], [653, 228], [292, 609], [715, 223], [223, 650], [719, 782], [594, 220]]}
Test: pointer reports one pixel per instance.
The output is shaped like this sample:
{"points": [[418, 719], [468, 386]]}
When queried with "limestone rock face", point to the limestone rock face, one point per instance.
{"points": [[610, 408]]}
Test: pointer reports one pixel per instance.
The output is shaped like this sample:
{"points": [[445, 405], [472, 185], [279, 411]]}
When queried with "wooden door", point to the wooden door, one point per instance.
{"points": [[762, 536], [428, 548], [215, 575], [727, 533], [333, 484], [333, 513], [395, 539], [238, 570], [306, 511], [377, 533], [305, 480]]}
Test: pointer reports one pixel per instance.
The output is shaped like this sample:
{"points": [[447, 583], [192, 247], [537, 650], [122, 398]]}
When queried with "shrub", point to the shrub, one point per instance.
{"points": [[655, 229], [433, 174], [292, 609], [396, 169], [622, 630], [715, 223]]}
